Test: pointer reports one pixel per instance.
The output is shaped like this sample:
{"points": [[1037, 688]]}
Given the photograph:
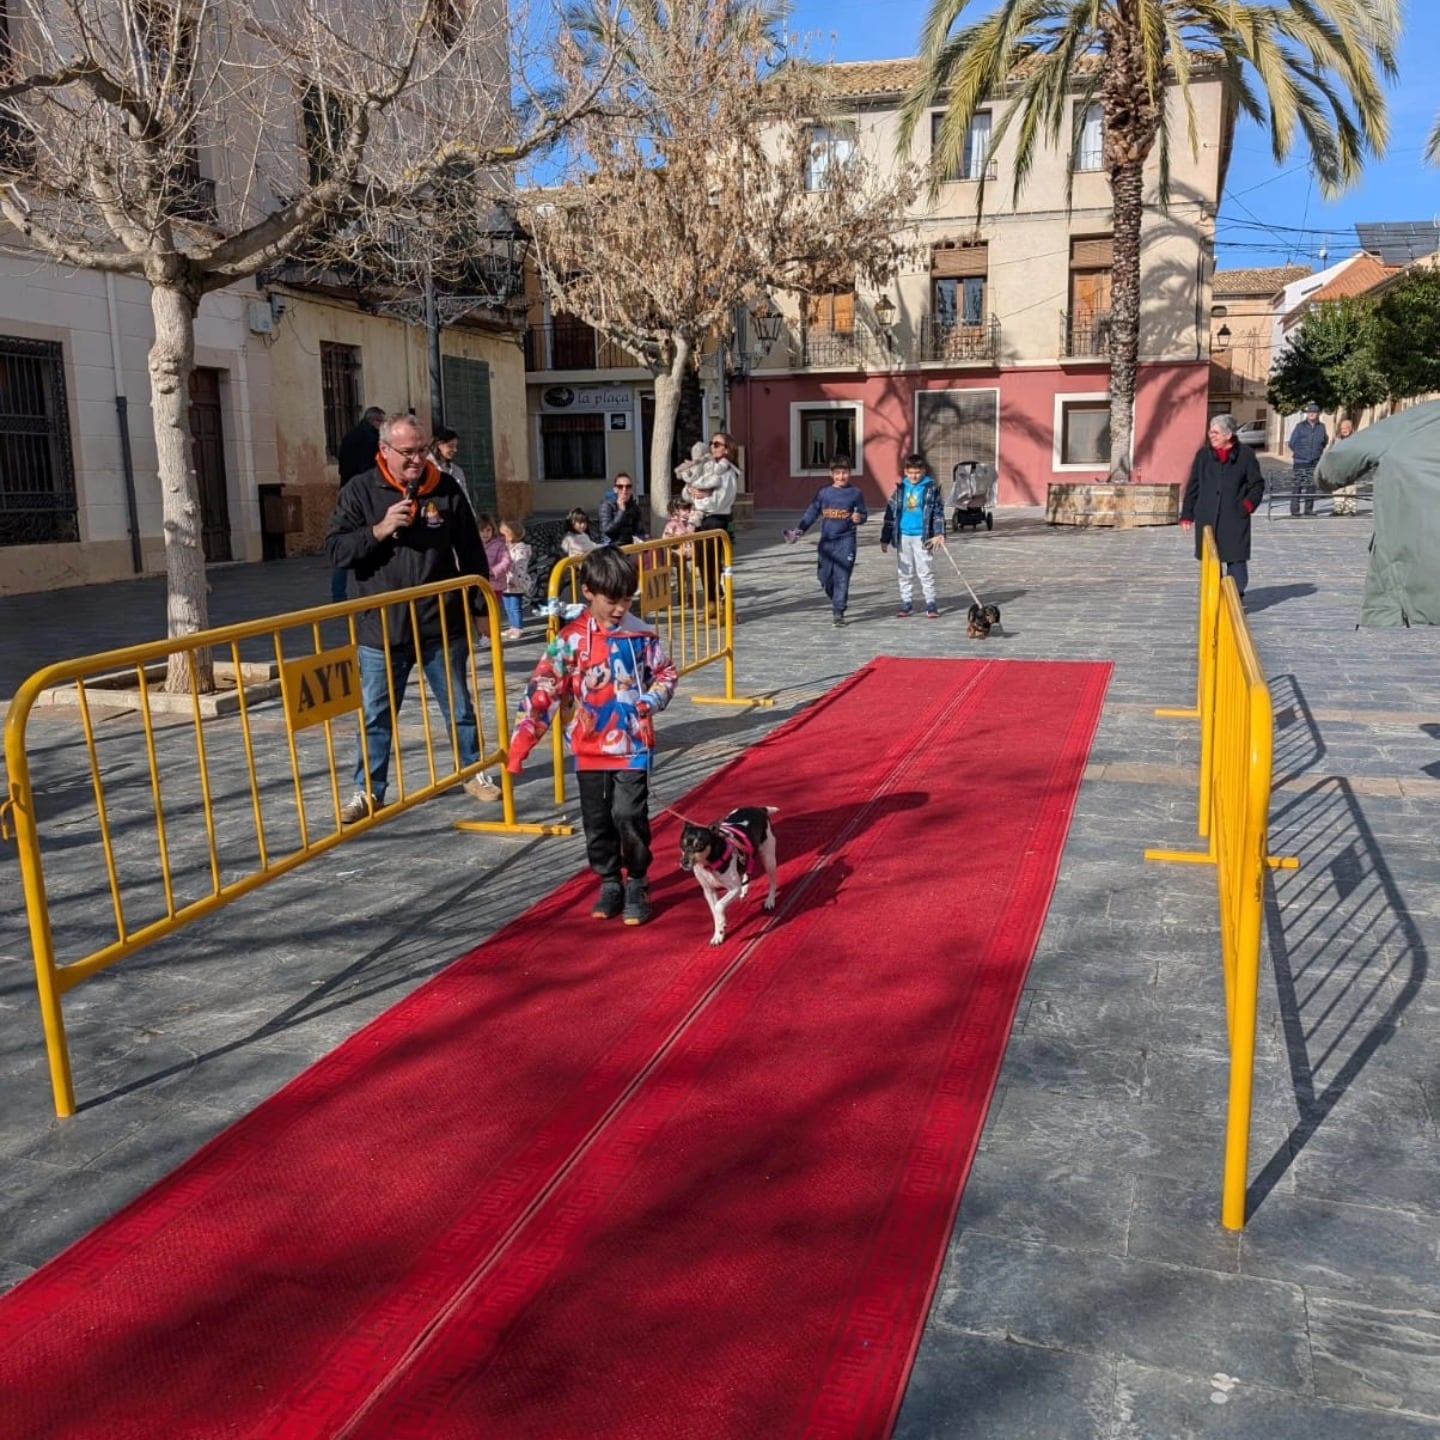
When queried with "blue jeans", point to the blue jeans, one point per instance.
{"points": [[339, 586], [441, 671], [514, 610]]}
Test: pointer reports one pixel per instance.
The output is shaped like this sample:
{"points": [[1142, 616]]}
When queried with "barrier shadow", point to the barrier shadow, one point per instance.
{"points": [[1347, 959], [1299, 744]]}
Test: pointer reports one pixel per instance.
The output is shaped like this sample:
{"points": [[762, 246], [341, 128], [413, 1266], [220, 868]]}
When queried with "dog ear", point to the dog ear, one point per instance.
{"points": [[991, 614]]}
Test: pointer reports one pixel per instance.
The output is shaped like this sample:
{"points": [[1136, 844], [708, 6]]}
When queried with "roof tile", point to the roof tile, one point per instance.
{"points": [[1257, 282], [1363, 274]]}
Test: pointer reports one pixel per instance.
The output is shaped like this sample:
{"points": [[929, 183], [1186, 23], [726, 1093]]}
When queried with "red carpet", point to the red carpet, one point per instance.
{"points": [[603, 1182]]}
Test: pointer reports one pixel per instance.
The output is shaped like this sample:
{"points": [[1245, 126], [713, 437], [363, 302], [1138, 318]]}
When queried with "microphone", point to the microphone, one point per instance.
{"points": [[412, 492]]}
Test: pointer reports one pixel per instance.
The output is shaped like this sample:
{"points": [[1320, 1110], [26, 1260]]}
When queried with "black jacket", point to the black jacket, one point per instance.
{"points": [[358, 451], [622, 524], [1216, 495], [442, 542]]}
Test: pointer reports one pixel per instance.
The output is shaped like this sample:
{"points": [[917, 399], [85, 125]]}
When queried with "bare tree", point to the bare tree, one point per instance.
{"points": [[329, 122], [689, 195]]}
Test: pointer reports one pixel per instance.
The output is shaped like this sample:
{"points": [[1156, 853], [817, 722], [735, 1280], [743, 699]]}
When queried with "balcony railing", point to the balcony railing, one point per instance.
{"points": [[832, 350], [1085, 336], [573, 345], [962, 343]]}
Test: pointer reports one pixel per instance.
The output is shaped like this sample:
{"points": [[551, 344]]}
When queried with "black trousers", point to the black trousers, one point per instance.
{"points": [[615, 813], [709, 557]]}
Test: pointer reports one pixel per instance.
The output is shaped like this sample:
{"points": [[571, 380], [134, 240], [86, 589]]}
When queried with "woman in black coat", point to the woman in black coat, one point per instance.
{"points": [[1223, 492], [622, 521]]}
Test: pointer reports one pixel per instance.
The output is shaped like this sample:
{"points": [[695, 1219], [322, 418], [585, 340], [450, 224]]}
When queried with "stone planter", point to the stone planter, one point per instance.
{"points": [[1090, 503]]}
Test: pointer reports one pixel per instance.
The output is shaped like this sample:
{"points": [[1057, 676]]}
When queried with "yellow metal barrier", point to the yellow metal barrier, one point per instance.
{"points": [[1239, 721], [687, 593], [213, 808], [1204, 709]]}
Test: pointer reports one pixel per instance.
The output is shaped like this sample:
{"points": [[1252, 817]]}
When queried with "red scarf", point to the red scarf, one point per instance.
{"points": [[1222, 452], [431, 480]]}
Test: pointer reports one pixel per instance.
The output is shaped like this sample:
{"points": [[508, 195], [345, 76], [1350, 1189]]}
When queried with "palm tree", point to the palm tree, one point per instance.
{"points": [[1307, 66], [1432, 145]]}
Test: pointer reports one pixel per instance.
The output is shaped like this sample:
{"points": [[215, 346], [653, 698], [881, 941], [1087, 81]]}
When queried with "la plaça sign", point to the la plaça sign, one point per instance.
{"points": [[585, 399]]}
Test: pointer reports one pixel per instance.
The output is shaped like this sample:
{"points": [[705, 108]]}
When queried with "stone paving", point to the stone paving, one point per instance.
{"points": [[1089, 1290]]}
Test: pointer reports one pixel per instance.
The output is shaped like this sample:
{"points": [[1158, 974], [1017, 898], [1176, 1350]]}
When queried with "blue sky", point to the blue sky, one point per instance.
{"points": [[1269, 214]]}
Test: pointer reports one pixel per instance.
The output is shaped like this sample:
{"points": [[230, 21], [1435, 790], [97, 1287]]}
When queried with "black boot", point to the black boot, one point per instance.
{"points": [[637, 901]]}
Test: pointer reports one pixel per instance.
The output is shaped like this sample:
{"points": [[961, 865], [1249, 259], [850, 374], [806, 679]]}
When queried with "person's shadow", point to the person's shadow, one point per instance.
{"points": [[1263, 597]]}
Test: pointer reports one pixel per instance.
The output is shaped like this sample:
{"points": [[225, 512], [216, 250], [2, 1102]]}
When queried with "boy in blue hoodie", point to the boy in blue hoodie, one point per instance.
{"points": [[840, 508], [914, 524]]}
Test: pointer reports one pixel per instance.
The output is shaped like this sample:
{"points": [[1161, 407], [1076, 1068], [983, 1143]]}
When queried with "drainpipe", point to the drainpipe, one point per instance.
{"points": [[122, 417]]}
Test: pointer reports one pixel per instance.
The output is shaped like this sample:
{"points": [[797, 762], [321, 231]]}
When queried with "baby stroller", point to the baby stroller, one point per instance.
{"points": [[972, 495], [544, 537]]}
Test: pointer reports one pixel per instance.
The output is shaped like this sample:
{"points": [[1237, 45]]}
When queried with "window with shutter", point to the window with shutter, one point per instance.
{"points": [[832, 313]]}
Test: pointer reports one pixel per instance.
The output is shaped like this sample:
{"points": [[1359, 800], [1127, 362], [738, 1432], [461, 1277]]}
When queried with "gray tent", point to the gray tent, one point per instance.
{"points": [[1401, 456]]}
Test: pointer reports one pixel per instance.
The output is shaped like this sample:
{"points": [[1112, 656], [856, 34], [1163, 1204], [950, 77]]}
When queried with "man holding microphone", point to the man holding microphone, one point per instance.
{"points": [[406, 523]]}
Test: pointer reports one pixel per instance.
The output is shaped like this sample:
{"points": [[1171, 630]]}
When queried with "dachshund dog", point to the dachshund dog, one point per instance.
{"points": [[982, 618], [723, 857]]}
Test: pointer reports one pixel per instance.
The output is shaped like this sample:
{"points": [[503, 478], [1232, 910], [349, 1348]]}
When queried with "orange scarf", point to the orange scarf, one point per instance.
{"points": [[431, 480]]}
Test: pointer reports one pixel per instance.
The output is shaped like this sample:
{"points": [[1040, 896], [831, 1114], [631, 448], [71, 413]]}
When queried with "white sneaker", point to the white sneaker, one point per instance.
{"points": [[359, 806], [482, 787]]}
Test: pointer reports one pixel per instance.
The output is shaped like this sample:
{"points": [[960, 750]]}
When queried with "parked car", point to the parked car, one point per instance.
{"points": [[1253, 434]]}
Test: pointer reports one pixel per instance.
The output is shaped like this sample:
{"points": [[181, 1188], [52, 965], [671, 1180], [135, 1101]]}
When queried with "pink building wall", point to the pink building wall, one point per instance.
{"points": [[1170, 414]]}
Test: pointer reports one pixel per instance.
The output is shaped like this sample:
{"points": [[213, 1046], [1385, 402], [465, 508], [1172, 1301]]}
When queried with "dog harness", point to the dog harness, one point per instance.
{"points": [[737, 843]]}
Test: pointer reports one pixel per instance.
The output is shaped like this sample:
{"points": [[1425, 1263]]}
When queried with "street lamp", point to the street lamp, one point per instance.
{"points": [[885, 318], [1222, 338], [768, 321]]}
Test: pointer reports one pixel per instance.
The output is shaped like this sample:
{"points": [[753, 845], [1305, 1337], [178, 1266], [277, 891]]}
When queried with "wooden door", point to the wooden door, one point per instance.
{"points": [[1090, 294], [208, 456]]}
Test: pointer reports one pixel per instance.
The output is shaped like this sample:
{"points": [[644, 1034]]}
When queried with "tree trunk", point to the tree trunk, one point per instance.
{"points": [[667, 409], [1127, 194], [1132, 121], [172, 358]]}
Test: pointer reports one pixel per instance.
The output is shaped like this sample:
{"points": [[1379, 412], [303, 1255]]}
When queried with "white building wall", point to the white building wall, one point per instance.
{"points": [[43, 302]]}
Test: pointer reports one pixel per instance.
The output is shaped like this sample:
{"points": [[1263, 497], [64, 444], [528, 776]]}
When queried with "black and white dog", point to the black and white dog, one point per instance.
{"points": [[723, 857]]}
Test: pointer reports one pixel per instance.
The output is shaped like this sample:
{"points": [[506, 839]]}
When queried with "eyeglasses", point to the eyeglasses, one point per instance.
{"points": [[717, 444], [624, 487], [406, 454]]}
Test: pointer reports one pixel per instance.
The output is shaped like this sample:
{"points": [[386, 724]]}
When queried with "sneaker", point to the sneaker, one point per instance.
{"points": [[839, 621], [482, 787], [931, 613], [611, 901], [359, 806], [513, 634], [903, 613], [637, 902]]}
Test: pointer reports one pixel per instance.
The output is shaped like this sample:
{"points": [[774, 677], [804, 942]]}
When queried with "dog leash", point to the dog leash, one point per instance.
{"points": [[961, 574]]}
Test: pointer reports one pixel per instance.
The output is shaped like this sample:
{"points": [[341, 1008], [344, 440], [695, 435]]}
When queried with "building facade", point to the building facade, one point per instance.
{"points": [[992, 345], [1242, 314], [285, 364], [79, 491]]}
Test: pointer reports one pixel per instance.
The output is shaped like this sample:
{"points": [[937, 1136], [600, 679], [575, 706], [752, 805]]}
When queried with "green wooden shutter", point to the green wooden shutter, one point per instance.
{"points": [[467, 411]]}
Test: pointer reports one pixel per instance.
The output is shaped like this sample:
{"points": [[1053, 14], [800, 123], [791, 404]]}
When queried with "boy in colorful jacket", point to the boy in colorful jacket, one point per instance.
{"points": [[608, 673], [914, 523]]}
